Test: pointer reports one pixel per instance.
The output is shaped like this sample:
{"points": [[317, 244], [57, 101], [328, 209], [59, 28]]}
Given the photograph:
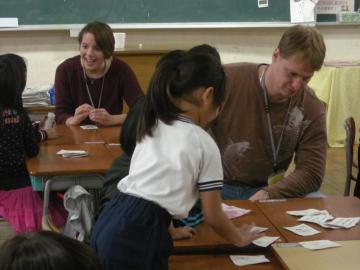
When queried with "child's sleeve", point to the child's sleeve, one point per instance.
{"points": [[211, 171], [30, 137]]}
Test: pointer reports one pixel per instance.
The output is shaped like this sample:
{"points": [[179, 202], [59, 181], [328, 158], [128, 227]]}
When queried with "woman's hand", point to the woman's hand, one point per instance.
{"points": [[103, 118], [80, 114]]}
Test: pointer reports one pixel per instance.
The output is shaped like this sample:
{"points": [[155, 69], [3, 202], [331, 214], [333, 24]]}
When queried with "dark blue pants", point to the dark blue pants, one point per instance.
{"points": [[132, 233]]}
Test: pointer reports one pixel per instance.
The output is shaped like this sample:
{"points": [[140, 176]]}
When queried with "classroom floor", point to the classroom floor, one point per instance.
{"points": [[333, 184]]}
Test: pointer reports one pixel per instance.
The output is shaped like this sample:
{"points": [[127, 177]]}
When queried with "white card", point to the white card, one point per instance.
{"points": [[233, 211], [258, 229], [344, 222], [319, 244], [303, 230], [265, 241], [72, 153], [307, 212], [317, 219], [89, 127], [241, 260]]}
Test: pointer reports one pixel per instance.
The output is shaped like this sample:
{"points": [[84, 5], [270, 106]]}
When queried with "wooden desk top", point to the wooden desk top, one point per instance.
{"points": [[48, 163], [208, 241], [115, 150], [110, 134], [74, 135], [215, 262], [337, 207], [298, 258]]}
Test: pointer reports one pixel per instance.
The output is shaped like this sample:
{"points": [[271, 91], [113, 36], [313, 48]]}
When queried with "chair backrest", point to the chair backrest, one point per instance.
{"points": [[350, 130]]}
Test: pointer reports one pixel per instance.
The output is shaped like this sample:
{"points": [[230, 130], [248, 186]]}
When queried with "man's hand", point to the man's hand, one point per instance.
{"points": [[260, 195]]}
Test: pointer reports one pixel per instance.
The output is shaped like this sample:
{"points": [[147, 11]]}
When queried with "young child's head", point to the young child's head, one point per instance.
{"points": [[196, 79], [12, 80], [46, 250], [206, 49]]}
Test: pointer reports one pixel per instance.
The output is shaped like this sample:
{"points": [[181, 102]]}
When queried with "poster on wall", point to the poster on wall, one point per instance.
{"points": [[334, 6]]}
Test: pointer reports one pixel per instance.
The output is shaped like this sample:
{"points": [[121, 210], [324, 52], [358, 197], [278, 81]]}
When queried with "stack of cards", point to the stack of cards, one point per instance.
{"points": [[89, 127], [73, 153], [324, 219]]}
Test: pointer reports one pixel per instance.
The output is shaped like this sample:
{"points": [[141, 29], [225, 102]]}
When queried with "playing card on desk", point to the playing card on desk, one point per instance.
{"points": [[233, 211], [73, 153], [303, 230], [319, 244], [89, 127]]}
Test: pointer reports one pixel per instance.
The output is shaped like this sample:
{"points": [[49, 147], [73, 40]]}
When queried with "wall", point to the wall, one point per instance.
{"points": [[44, 50]]}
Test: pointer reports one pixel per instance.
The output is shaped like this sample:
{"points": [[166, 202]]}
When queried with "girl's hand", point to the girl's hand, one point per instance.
{"points": [[247, 234], [182, 233], [51, 133]]}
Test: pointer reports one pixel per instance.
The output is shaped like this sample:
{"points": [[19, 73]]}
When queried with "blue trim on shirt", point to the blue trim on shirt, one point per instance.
{"points": [[218, 184], [184, 119]]}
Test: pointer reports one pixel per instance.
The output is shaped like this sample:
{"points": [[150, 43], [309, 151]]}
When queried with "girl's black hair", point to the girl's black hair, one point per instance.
{"points": [[129, 127], [206, 49], [45, 250], [12, 80], [176, 76]]}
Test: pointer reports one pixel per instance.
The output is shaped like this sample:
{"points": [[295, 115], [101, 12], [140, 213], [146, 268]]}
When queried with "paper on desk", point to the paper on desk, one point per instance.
{"points": [[265, 241], [72, 153], [344, 222], [302, 229], [319, 244], [233, 211], [89, 127], [241, 260], [302, 11], [259, 229], [307, 212], [317, 219]]}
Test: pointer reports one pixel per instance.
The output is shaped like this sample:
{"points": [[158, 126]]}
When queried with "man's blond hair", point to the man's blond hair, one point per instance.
{"points": [[306, 41]]}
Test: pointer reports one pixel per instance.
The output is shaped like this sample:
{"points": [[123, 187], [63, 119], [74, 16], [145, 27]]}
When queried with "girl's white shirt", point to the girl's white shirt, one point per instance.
{"points": [[172, 166]]}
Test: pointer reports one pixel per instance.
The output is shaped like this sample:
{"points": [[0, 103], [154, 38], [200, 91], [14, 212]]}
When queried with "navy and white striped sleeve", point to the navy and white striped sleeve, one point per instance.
{"points": [[211, 171], [211, 185]]}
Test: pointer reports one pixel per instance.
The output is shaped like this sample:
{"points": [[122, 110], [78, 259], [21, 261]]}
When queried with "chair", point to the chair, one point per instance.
{"points": [[350, 130]]}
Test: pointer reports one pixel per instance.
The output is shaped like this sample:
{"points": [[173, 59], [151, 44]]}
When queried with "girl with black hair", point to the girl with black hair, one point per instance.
{"points": [[174, 162], [46, 250], [19, 204]]}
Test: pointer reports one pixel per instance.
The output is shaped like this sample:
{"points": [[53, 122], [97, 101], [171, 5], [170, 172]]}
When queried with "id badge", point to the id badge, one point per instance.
{"points": [[276, 177]]}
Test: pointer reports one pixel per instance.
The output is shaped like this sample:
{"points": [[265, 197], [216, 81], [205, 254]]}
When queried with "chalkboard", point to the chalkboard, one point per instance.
{"points": [[44, 12]]}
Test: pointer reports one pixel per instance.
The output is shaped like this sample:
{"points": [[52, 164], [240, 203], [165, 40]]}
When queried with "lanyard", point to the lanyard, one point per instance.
{"points": [[88, 90], [275, 150]]}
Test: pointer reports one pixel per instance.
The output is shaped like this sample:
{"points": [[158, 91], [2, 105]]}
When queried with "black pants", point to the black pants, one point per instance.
{"points": [[132, 233]]}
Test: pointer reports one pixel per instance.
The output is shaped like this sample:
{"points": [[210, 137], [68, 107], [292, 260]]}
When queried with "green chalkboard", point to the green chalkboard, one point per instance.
{"points": [[43, 12]]}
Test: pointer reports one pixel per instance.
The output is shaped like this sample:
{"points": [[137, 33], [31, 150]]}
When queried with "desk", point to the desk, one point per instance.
{"points": [[48, 163], [110, 135], [60, 173], [74, 135], [208, 241], [337, 207], [217, 262], [298, 258]]}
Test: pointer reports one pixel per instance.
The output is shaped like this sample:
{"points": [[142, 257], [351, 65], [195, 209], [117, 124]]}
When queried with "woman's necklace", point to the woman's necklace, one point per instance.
{"points": [[102, 87]]}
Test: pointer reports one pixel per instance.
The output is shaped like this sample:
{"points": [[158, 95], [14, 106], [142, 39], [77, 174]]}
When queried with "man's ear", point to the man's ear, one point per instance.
{"points": [[207, 95], [276, 55]]}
